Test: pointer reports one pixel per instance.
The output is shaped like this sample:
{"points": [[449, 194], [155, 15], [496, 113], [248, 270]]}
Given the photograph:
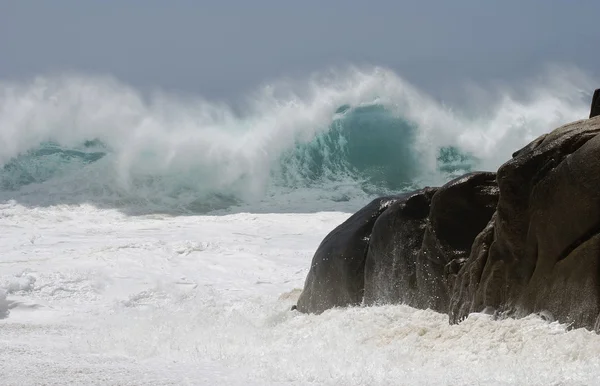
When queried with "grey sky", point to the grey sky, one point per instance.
{"points": [[220, 48]]}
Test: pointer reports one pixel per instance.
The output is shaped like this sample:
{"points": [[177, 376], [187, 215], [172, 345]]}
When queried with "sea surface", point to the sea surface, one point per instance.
{"points": [[161, 239]]}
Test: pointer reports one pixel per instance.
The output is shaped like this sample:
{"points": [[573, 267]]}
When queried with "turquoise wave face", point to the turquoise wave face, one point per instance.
{"points": [[367, 147], [373, 147], [48, 161]]}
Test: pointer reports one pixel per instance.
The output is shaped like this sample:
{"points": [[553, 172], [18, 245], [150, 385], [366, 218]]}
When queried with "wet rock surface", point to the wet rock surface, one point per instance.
{"points": [[523, 240], [336, 275], [540, 253], [416, 251]]}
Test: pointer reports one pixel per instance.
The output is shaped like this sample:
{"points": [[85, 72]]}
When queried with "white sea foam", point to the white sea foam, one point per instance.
{"points": [[3, 304], [97, 296], [172, 151], [206, 300]]}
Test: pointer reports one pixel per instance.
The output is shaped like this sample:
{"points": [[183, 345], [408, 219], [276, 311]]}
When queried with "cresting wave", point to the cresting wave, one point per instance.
{"points": [[334, 137]]}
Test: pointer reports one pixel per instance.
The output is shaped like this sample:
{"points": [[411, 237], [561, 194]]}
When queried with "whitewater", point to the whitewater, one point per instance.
{"points": [[162, 239]]}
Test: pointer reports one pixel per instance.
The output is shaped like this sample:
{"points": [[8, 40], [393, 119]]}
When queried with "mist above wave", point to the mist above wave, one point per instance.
{"points": [[354, 133]]}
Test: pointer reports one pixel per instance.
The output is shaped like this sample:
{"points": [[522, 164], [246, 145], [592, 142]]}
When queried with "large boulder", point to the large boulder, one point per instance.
{"points": [[336, 275], [396, 239], [418, 245], [525, 240], [541, 251]]}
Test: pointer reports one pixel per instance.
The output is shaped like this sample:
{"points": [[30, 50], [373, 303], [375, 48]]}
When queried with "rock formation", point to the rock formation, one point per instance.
{"points": [[403, 248], [541, 252], [391, 261], [523, 240], [336, 275], [415, 254]]}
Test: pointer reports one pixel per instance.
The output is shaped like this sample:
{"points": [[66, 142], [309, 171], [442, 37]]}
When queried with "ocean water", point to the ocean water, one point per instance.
{"points": [[161, 239]]}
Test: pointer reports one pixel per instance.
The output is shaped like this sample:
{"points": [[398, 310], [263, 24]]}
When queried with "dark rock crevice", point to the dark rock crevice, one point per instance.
{"points": [[592, 232]]}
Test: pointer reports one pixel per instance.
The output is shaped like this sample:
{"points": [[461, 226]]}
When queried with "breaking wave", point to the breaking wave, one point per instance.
{"points": [[338, 136]]}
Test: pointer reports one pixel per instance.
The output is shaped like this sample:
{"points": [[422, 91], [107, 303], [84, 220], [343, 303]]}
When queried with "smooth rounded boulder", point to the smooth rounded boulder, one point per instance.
{"points": [[396, 239], [336, 275]]}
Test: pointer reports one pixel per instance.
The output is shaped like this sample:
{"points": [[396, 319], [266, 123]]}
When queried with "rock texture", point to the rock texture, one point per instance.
{"points": [[541, 251], [336, 275], [391, 263], [404, 248], [524, 240], [416, 250]]}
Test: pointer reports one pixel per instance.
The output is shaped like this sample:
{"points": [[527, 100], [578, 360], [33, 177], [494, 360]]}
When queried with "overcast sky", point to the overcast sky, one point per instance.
{"points": [[220, 48]]}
